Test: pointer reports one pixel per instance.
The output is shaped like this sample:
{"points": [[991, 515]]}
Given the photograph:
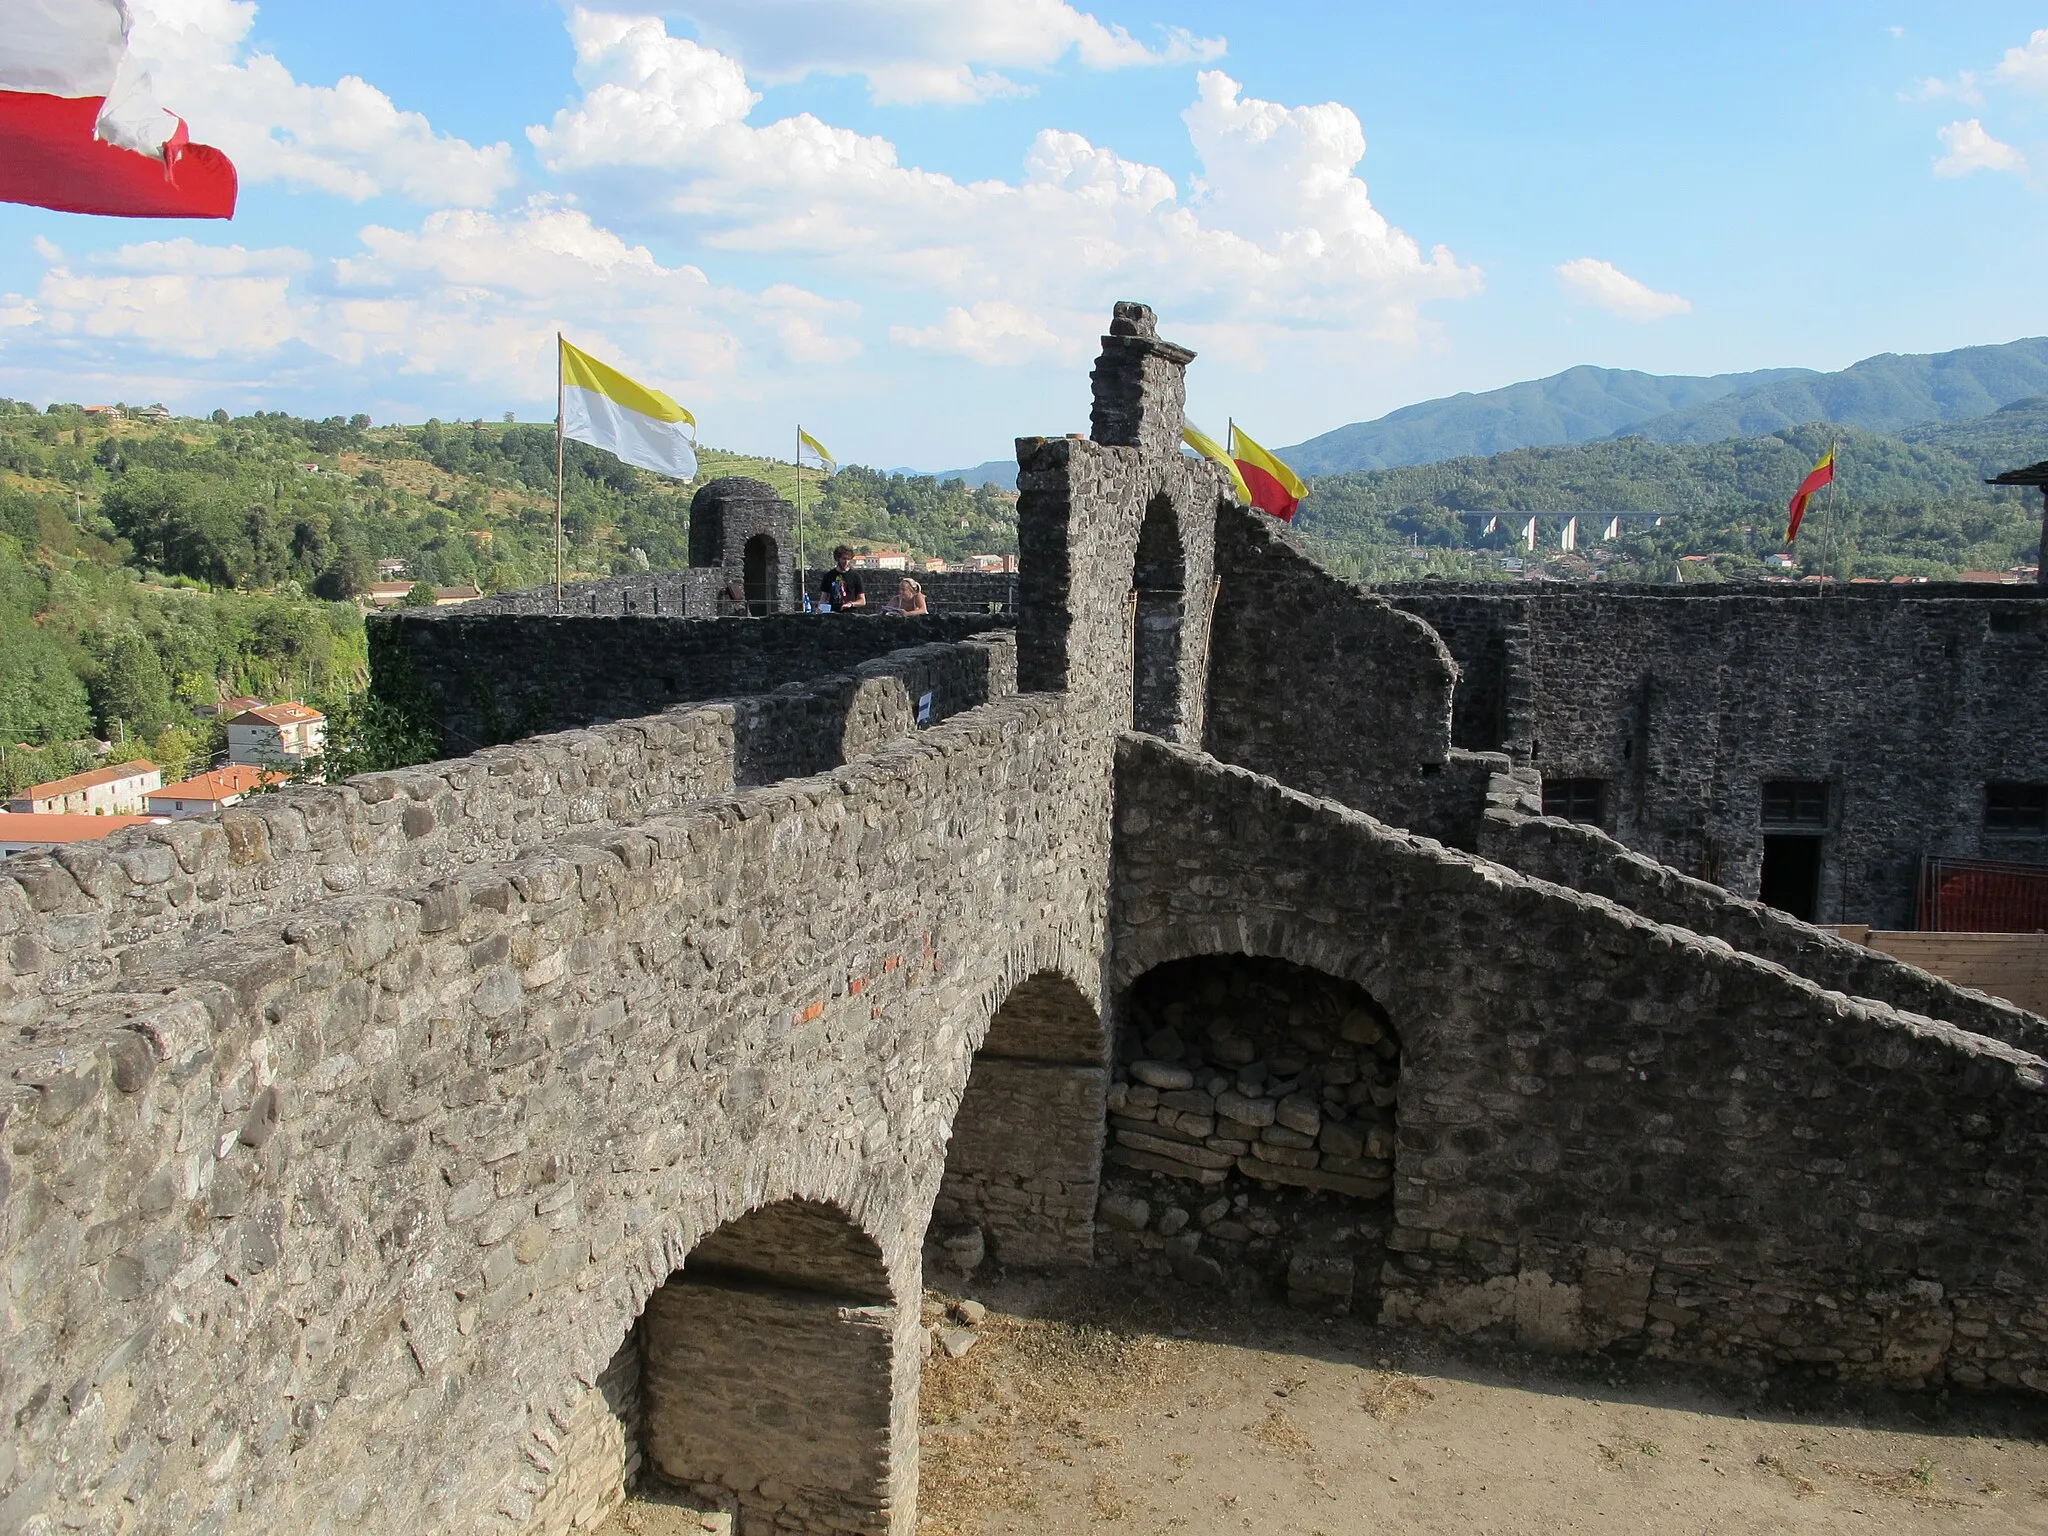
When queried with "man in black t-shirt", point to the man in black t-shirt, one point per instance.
{"points": [[842, 587]]}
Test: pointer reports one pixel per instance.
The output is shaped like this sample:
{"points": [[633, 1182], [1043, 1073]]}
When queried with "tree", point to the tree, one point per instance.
{"points": [[178, 752], [360, 422], [347, 575], [422, 595], [130, 686], [41, 699], [220, 417]]}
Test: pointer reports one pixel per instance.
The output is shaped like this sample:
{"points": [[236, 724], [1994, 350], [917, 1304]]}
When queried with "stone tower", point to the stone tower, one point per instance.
{"points": [[742, 528]]}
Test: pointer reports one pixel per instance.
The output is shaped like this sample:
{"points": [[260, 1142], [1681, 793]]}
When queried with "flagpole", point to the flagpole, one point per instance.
{"points": [[1827, 542], [803, 575], [560, 399]]}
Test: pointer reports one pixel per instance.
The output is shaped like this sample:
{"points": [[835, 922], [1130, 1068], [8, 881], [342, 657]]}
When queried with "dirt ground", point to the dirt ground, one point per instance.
{"points": [[1081, 1409]]}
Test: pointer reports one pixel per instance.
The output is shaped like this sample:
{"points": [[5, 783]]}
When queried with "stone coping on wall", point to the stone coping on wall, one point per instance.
{"points": [[1481, 872], [1516, 833], [73, 920]]}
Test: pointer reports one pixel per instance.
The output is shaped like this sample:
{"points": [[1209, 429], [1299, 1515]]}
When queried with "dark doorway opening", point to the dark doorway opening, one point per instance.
{"points": [[760, 574], [1158, 608], [1791, 875]]}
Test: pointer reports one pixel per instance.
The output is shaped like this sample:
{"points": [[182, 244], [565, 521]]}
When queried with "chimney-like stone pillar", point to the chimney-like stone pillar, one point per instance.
{"points": [[1140, 385]]}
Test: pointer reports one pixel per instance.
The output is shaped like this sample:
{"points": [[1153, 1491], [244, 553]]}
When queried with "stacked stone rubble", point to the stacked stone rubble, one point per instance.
{"points": [[1255, 1088]]}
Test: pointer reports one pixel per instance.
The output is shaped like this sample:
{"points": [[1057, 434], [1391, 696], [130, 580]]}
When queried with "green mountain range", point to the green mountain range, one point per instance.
{"points": [[1907, 503], [1880, 394]]}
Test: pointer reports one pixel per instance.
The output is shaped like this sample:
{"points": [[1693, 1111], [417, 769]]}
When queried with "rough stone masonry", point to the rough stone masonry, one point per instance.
{"points": [[445, 1149]]}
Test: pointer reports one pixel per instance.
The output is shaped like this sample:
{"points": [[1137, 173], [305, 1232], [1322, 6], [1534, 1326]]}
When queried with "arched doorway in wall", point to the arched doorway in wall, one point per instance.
{"points": [[763, 1378], [1158, 613], [762, 569], [1252, 1130], [1024, 1161]]}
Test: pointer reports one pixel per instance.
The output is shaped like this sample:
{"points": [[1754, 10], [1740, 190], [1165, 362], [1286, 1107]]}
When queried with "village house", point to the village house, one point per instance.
{"points": [[214, 790], [276, 736], [116, 791]]}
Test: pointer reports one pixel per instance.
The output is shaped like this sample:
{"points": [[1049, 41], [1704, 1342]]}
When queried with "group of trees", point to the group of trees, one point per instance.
{"points": [[1911, 504], [915, 513], [149, 565]]}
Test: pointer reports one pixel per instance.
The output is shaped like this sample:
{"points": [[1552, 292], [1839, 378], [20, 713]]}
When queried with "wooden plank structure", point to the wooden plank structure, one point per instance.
{"points": [[2035, 475], [2013, 966]]}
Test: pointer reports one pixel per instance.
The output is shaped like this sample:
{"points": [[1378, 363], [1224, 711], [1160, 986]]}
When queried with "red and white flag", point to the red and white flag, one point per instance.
{"points": [[79, 129]]}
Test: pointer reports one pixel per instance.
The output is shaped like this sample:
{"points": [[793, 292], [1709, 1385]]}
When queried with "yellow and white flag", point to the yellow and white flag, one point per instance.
{"points": [[1211, 450], [604, 408], [810, 452]]}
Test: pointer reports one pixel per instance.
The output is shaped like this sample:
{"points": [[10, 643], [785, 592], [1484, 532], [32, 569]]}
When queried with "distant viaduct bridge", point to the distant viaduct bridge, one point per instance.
{"points": [[441, 1149]]}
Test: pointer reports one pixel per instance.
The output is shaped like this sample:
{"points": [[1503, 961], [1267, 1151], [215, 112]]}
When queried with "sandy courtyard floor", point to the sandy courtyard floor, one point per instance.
{"points": [[1076, 1410]]}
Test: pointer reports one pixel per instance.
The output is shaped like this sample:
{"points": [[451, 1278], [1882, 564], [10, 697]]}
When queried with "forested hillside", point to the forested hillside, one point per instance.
{"points": [[1913, 504], [1887, 393], [1576, 406], [150, 566]]}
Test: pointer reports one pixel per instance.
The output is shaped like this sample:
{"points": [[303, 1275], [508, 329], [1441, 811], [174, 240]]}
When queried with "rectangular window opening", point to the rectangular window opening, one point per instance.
{"points": [[2016, 810], [1574, 799], [1795, 803]]}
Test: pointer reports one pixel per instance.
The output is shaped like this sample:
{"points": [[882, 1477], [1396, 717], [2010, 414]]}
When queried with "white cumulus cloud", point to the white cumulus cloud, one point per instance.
{"points": [[173, 296], [348, 139], [1279, 228], [1970, 149], [919, 51], [994, 332], [1606, 286], [465, 295], [2027, 65]]}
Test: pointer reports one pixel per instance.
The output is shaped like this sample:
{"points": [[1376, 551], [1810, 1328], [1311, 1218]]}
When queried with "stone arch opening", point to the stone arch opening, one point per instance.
{"points": [[761, 566], [1158, 616], [1252, 1120], [772, 1382], [1024, 1162]]}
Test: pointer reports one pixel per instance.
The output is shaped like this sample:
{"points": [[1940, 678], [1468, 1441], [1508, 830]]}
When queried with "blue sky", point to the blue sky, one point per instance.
{"points": [[903, 221]]}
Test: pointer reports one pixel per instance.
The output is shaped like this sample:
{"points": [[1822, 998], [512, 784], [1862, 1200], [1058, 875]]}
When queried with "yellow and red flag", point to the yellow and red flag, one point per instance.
{"points": [[1820, 475], [1276, 489]]}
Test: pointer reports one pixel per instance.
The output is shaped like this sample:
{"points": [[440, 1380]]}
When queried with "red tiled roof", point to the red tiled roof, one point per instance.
{"points": [[91, 780], [277, 714], [219, 783], [16, 827]]}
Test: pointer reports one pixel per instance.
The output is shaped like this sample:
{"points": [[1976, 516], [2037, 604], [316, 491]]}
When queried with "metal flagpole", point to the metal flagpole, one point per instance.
{"points": [[803, 574], [1827, 542], [560, 398]]}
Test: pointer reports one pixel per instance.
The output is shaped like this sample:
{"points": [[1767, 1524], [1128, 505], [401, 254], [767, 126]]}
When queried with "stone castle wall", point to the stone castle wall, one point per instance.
{"points": [[350, 1221], [1684, 702], [1586, 859], [430, 1151], [488, 678], [1330, 689], [77, 919], [1611, 1130], [694, 594]]}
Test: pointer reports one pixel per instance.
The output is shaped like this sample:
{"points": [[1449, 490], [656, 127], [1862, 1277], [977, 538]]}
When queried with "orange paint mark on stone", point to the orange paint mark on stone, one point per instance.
{"points": [[891, 963], [857, 985], [806, 1015]]}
